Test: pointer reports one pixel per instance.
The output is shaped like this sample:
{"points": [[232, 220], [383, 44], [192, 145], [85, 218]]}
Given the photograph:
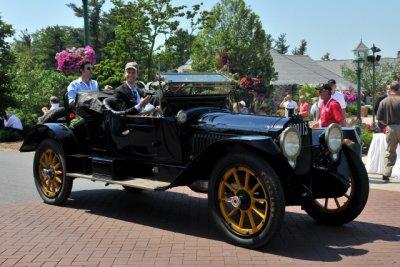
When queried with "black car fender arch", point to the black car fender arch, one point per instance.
{"points": [[57, 131], [202, 164]]}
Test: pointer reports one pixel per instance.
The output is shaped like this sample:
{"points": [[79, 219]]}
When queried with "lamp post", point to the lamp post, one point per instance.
{"points": [[86, 20], [359, 60], [374, 60]]}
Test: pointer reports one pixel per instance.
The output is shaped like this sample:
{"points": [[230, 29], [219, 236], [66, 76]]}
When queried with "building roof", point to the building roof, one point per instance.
{"points": [[301, 69], [335, 66]]}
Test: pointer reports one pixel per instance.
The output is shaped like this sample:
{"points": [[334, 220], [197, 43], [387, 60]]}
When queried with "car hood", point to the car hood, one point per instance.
{"points": [[221, 121]]}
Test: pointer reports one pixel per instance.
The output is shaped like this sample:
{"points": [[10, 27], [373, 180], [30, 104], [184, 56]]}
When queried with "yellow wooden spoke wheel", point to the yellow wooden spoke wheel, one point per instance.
{"points": [[50, 173], [49, 170], [343, 209], [243, 201], [246, 199]]}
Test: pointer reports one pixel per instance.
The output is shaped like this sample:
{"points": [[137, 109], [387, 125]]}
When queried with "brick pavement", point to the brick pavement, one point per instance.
{"points": [[111, 227]]}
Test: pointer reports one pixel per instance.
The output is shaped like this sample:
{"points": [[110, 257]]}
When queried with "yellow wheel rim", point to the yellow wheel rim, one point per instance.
{"points": [[243, 201], [50, 173], [337, 204]]}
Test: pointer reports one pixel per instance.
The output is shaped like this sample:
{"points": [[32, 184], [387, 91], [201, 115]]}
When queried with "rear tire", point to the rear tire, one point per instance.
{"points": [[49, 171], [338, 211], [246, 199]]}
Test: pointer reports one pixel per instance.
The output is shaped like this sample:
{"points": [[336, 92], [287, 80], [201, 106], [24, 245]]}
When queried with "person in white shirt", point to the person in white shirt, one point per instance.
{"points": [[83, 83], [289, 105], [54, 103], [336, 95], [12, 122]]}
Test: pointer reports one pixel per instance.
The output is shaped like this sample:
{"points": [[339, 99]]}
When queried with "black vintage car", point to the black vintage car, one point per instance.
{"points": [[251, 166]]}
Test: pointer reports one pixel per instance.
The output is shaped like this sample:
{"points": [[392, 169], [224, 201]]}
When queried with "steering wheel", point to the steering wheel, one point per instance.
{"points": [[110, 103]]}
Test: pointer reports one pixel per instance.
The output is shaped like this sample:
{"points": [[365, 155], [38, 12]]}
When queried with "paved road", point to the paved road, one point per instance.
{"points": [[172, 228], [16, 179]]}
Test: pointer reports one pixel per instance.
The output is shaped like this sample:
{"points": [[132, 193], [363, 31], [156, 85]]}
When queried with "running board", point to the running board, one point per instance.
{"points": [[132, 182]]}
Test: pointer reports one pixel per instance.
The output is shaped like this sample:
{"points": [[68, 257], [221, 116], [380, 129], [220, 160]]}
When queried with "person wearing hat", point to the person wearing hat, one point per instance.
{"points": [[336, 95], [83, 83], [128, 95], [330, 109], [389, 115]]}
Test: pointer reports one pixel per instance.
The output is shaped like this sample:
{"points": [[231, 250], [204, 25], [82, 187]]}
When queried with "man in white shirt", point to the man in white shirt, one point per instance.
{"points": [[83, 83], [336, 95], [289, 105], [12, 122]]}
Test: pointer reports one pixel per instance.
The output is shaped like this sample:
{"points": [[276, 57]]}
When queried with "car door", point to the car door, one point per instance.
{"points": [[153, 138]]}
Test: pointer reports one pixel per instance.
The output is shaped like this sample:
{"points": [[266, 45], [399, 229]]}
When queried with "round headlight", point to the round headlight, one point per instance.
{"points": [[181, 116], [290, 143], [334, 138]]}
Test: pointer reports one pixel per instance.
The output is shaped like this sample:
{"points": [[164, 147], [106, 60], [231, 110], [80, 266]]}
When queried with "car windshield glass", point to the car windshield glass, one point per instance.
{"points": [[196, 83]]}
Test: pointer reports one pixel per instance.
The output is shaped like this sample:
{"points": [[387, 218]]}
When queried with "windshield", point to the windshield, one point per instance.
{"points": [[191, 84]]}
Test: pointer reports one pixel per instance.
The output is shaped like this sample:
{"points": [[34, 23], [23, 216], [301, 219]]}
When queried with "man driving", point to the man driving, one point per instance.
{"points": [[128, 95]]}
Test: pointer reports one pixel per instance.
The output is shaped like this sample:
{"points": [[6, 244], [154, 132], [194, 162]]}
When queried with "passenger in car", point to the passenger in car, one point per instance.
{"points": [[128, 95], [83, 83]]}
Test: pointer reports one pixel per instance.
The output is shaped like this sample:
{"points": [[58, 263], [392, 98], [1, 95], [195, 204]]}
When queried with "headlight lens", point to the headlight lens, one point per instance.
{"points": [[334, 138], [290, 143]]}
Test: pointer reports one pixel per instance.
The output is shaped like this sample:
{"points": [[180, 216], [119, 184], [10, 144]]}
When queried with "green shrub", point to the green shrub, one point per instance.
{"points": [[9, 136], [366, 138], [351, 109]]}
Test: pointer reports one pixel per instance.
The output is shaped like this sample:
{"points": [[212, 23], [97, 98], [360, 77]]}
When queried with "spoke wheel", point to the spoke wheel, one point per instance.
{"points": [[344, 209], [243, 201], [50, 173], [246, 199], [49, 170], [337, 204]]}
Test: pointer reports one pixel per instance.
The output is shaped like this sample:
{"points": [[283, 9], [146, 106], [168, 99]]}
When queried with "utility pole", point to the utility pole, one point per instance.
{"points": [[86, 21]]}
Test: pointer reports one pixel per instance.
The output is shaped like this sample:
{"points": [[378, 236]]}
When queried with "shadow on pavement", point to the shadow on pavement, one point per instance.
{"points": [[299, 238]]}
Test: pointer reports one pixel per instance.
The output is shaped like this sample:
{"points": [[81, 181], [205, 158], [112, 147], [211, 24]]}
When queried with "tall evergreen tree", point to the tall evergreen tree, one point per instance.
{"points": [[301, 50], [326, 56], [280, 44], [94, 10]]}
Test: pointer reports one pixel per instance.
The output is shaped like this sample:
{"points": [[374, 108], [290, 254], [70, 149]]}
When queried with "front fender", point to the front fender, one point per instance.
{"points": [[56, 131], [201, 166]]}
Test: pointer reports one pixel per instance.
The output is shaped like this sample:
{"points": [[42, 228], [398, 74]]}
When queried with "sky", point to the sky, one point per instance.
{"points": [[334, 26]]}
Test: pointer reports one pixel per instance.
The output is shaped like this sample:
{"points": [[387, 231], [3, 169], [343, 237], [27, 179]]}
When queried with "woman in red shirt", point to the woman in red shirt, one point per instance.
{"points": [[330, 110]]}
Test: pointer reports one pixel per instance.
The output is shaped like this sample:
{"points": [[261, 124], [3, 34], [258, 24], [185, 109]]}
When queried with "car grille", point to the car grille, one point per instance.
{"points": [[201, 141]]}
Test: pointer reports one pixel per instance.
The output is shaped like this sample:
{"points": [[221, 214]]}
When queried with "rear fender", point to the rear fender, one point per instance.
{"points": [[56, 131]]}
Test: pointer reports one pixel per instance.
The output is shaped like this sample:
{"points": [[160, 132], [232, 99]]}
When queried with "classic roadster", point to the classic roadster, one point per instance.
{"points": [[251, 166]]}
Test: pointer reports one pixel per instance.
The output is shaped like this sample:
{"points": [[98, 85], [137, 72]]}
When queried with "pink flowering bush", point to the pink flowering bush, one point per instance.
{"points": [[350, 97], [69, 59]]}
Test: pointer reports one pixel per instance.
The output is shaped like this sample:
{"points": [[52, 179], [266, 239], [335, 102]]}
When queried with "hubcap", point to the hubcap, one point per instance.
{"points": [[243, 201], [50, 173]]}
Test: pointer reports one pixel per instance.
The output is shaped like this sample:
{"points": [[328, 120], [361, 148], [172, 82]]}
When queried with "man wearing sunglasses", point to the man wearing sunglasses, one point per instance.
{"points": [[83, 83]]}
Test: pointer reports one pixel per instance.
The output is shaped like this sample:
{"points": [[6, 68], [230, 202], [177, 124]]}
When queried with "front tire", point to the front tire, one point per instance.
{"points": [[246, 199], [338, 211], [49, 172]]}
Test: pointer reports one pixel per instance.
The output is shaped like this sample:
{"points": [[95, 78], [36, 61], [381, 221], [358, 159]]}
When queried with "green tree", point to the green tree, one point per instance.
{"points": [[94, 12], [33, 85], [177, 50], [49, 41], [6, 60], [385, 72], [326, 56], [231, 27], [301, 50], [280, 44]]}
